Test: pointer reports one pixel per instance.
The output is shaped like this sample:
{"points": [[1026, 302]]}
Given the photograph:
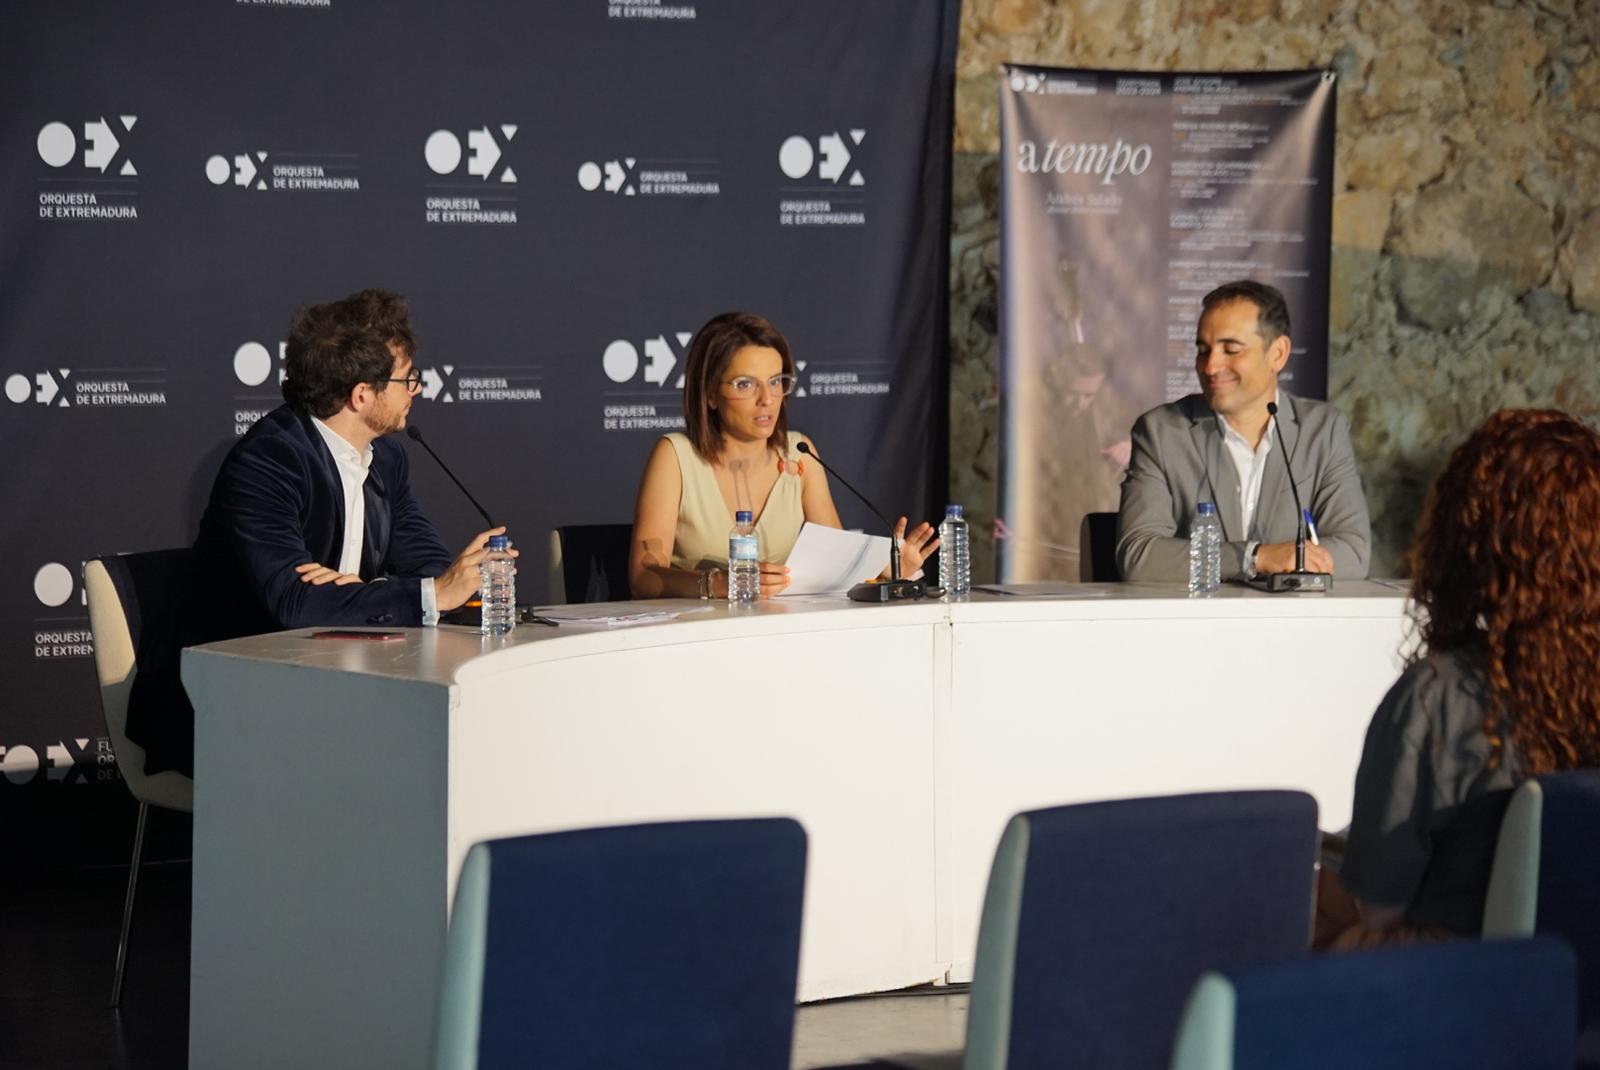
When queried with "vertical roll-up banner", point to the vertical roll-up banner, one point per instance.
{"points": [[1124, 198], [563, 191]]}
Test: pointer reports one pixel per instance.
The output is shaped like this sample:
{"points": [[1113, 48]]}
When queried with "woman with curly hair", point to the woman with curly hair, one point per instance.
{"points": [[1504, 685]]}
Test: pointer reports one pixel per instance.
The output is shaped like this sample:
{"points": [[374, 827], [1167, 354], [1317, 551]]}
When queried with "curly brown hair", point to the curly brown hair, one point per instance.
{"points": [[332, 347], [1506, 569]]}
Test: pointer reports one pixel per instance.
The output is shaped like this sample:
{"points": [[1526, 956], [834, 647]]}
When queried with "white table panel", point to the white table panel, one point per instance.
{"points": [[1056, 702], [341, 783]]}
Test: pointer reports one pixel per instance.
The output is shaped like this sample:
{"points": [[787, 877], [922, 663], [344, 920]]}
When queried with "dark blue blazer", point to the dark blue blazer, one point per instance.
{"points": [[278, 503]]}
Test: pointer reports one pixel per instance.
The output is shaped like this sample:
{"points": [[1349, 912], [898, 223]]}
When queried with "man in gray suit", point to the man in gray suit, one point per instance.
{"points": [[1219, 446]]}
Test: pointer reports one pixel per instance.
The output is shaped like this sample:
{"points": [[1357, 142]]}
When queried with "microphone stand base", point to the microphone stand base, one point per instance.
{"points": [[889, 591], [1293, 583]]}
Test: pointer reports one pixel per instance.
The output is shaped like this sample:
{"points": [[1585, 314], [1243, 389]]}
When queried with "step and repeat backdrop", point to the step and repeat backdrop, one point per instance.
{"points": [[564, 191], [1125, 197]]}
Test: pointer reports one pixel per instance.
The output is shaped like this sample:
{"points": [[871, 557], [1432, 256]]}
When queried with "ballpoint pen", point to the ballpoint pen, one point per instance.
{"points": [[1311, 526]]}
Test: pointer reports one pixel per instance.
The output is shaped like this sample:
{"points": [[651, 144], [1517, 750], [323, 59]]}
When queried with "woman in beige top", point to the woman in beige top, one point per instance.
{"points": [[736, 452]]}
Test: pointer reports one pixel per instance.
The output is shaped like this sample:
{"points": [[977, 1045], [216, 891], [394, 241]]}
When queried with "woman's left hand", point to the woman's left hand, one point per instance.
{"points": [[916, 547]]}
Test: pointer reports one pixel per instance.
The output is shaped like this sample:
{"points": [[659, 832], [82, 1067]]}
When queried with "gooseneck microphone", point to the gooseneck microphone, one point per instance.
{"points": [[1299, 509], [416, 436], [894, 544], [1299, 580], [896, 589]]}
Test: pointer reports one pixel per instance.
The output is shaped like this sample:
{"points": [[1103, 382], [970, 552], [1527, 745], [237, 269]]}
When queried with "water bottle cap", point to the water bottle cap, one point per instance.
{"points": [[1206, 508], [952, 512], [499, 542], [743, 516]]}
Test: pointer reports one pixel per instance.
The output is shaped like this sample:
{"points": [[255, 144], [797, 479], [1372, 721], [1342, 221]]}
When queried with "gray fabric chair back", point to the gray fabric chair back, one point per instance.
{"points": [[130, 596]]}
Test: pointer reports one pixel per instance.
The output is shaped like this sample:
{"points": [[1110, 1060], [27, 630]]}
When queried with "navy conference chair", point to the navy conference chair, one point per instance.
{"points": [[1546, 880], [1495, 1005], [589, 563], [1097, 549], [1099, 918], [130, 597], [643, 945]]}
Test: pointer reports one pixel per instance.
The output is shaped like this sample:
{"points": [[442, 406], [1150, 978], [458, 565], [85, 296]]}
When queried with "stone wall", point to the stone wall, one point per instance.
{"points": [[1466, 259]]}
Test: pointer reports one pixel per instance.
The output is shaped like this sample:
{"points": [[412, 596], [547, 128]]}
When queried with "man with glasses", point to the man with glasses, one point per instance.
{"points": [[312, 522]]}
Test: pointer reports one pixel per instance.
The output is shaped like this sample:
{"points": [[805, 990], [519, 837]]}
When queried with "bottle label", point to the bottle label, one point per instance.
{"points": [[743, 548]]}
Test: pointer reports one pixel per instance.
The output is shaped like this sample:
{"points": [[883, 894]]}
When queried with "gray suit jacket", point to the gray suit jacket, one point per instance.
{"points": [[1179, 460]]}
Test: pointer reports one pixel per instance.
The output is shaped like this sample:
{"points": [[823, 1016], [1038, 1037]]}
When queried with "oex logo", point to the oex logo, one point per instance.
{"points": [[246, 168], [616, 175], [58, 146], [253, 364], [485, 149], [45, 388], [54, 585], [621, 359], [1026, 83], [830, 156], [68, 760], [439, 384]]}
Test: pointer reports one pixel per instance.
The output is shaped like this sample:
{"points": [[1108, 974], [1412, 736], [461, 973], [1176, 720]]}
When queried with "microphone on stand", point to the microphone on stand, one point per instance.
{"points": [[894, 589], [1299, 580], [469, 613], [416, 436]]}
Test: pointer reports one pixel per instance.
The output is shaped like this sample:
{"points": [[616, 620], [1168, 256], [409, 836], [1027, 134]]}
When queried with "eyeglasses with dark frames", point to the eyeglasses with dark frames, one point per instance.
{"points": [[413, 380]]}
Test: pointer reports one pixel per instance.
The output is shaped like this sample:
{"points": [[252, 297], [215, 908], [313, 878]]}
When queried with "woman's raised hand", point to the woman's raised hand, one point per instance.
{"points": [[916, 547]]}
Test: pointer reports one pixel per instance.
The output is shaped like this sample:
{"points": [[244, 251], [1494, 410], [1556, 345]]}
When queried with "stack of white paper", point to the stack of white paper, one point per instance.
{"points": [[827, 560], [617, 614]]}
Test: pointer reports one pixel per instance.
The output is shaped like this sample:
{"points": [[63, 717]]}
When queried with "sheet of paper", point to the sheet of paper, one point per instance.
{"points": [[1048, 589], [619, 614], [826, 560]]}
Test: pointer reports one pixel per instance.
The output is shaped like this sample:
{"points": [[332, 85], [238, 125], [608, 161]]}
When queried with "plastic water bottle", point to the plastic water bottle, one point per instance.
{"points": [[744, 561], [497, 586], [1205, 550], [955, 561]]}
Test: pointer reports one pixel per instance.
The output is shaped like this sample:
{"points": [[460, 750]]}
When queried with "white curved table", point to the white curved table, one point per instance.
{"points": [[340, 783]]}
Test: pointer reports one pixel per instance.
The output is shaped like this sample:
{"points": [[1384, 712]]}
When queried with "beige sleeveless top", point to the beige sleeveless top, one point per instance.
{"points": [[704, 520]]}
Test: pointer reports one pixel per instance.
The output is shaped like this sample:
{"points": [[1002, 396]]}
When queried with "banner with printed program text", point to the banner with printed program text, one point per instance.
{"points": [[1124, 198]]}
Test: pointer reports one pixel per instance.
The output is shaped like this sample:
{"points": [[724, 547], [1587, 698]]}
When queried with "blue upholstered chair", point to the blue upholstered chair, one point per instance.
{"points": [[644, 945], [1097, 549], [1099, 918], [1495, 1005], [1546, 880], [129, 598]]}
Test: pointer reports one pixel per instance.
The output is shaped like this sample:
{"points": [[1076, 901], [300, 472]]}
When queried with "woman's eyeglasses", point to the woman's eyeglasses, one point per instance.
{"points": [[747, 386]]}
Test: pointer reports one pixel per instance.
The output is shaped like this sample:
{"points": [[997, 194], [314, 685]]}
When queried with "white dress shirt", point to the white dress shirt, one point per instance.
{"points": [[353, 466], [1251, 465]]}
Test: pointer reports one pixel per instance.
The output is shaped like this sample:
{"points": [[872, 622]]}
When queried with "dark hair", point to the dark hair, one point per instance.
{"points": [[710, 351], [1506, 567], [335, 346], [1272, 312]]}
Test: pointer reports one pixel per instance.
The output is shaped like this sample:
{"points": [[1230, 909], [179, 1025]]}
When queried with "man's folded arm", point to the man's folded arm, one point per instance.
{"points": [[1149, 549], [262, 507]]}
